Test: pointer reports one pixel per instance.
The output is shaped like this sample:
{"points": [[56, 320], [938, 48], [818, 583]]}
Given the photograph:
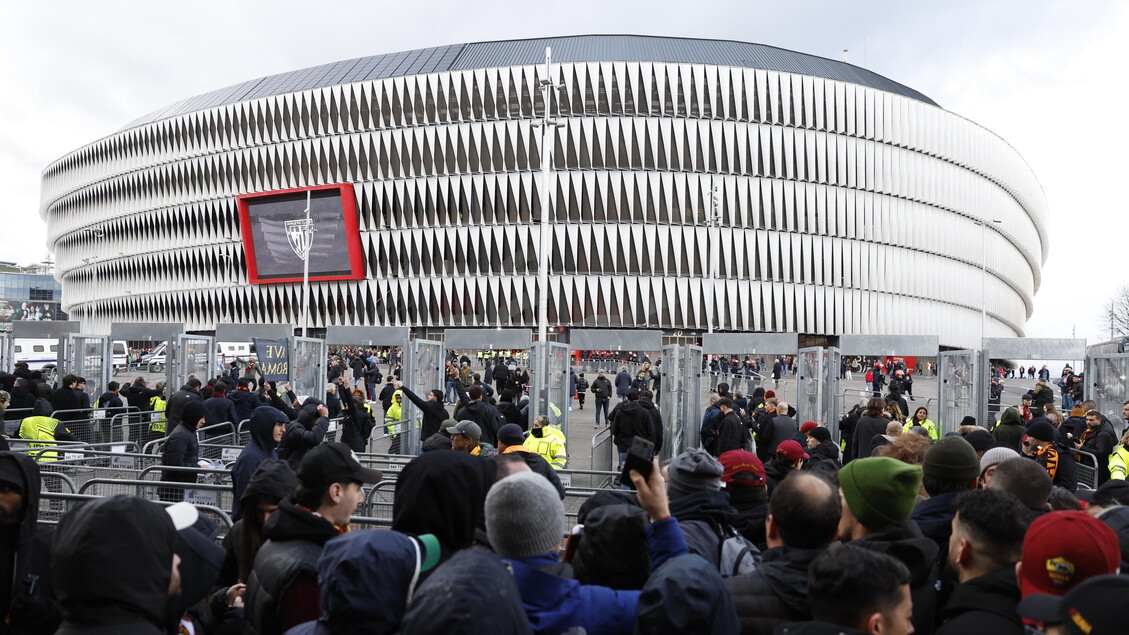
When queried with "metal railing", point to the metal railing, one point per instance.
{"points": [[601, 456], [1086, 466], [54, 505]]}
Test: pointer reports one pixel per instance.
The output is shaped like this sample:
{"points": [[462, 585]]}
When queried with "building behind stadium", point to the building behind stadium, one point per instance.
{"points": [[765, 189]]}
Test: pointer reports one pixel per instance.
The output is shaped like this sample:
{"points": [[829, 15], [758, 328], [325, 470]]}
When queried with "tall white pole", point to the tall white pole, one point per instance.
{"points": [[308, 234], [983, 283], [714, 224], [545, 235]]}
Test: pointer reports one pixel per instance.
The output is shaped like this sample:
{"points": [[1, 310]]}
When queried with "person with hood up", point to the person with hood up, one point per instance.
{"points": [[366, 579], [628, 420], [608, 546], [114, 566], [28, 604], [201, 560], [685, 595], [43, 430], [432, 408], [267, 426], [182, 449], [451, 599], [1010, 430], [693, 484], [282, 590], [524, 522], [393, 415], [803, 519], [358, 423], [304, 433], [245, 401], [474, 407], [442, 493], [272, 483], [878, 496]]}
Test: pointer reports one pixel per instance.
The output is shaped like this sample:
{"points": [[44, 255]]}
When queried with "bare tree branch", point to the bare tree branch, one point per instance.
{"points": [[1115, 312]]}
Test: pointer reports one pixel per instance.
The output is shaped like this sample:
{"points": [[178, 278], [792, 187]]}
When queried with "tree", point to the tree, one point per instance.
{"points": [[1116, 312]]}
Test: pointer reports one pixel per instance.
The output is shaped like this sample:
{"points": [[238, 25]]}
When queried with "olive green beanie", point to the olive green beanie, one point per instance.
{"points": [[880, 491]]}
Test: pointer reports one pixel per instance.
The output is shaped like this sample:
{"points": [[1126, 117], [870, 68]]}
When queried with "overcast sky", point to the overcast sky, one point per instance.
{"points": [[1048, 77]]}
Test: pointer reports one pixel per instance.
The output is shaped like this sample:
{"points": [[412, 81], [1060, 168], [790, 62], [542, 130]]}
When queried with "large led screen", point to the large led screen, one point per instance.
{"points": [[273, 234]]}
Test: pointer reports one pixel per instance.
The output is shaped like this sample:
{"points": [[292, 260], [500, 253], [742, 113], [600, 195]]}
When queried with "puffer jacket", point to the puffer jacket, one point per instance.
{"points": [[302, 435], [777, 592]]}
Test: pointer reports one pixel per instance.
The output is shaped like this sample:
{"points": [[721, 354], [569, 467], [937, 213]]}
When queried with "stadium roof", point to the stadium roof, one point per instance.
{"points": [[577, 48]]}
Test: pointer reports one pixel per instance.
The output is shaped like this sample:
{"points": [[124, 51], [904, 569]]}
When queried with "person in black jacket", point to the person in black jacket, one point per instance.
{"points": [[1099, 439], [304, 433], [432, 408], [475, 408], [266, 426], [189, 392], [245, 401], [731, 433], [182, 449], [601, 392], [386, 393], [282, 590], [509, 409], [220, 410], [646, 399], [986, 543], [628, 420], [803, 519], [511, 440], [25, 550]]}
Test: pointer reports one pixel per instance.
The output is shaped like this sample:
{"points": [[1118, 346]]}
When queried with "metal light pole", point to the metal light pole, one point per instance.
{"points": [[714, 224], [300, 233], [544, 231], [87, 307]]}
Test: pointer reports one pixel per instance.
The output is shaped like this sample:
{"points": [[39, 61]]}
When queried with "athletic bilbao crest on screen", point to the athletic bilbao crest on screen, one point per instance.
{"points": [[299, 232]]}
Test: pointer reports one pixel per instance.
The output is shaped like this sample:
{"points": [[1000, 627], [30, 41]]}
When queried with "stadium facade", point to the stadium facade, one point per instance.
{"points": [[773, 190]]}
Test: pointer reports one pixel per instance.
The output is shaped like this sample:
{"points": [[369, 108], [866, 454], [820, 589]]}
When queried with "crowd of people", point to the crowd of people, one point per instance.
{"points": [[770, 526]]}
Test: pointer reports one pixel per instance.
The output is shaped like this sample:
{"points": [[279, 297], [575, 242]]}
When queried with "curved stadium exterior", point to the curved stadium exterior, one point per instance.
{"points": [[847, 203]]}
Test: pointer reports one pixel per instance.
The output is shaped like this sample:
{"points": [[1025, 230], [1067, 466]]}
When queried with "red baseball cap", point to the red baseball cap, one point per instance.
{"points": [[1061, 550], [808, 427], [791, 451], [737, 462]]}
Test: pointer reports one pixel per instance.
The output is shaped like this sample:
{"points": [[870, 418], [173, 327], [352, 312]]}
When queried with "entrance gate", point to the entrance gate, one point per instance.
{"points": [[672, 400], [392, 337], [959, 387], [88, 356], [818, 387], [1106, 385], [6, 351], [308, 357], [551, 397], [423, 374], [191, 355], [1022, 348]]}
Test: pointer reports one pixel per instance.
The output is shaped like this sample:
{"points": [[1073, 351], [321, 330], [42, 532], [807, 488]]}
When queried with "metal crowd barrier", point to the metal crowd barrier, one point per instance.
{"points": [[54, 505], [1087, 468], [92, 425], [602, 456]]}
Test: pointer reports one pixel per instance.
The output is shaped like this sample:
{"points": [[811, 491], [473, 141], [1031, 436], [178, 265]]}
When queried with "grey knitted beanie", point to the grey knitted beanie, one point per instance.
{"points": [[693, 470], [524, 516], [995, 456]]}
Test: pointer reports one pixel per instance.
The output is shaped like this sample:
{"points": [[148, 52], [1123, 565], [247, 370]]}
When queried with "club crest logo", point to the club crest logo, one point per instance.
{"points": [[300, 233]]}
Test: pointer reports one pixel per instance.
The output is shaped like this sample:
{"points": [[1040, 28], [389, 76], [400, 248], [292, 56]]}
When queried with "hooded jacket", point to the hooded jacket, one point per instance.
{"points": [[453, 599], [776, 592], [611, 550], [25, 550], [1010, 430], [443, 493], [656, 434], [285, 569], [364, 578], [484, 414], [686, 596], [303, 434], [260, 448], [111, 564], [245, 403], [182, 449], [628, 420], [221, 409], [357, 425], [700, 515], [272, 480], [905, 542], [752, 504], [986, 604]]}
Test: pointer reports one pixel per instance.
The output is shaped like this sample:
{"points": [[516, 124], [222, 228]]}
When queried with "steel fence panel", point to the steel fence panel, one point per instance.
{"points": [[956, 388], [1106, 385], [307, 366]]}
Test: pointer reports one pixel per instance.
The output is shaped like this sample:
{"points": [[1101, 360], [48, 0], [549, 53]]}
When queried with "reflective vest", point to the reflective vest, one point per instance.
{"points": [[551, 447], [928, 424], [157, 418], [40, 429]]}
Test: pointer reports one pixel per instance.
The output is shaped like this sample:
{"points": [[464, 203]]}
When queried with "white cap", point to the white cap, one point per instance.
{"points": [[183, 514]]}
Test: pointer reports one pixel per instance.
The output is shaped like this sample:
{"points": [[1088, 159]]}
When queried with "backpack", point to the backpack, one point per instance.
{"points": [[736, 555], [467, 379], [870, 376]]}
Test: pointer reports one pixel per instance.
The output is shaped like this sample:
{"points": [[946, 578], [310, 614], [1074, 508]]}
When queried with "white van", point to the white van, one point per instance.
{"points": [[226, 352], [120, 354], [155, 360], [38, 353]]}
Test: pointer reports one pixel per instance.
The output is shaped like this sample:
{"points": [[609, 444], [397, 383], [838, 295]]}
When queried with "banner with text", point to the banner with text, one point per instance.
{"points": [[274, 359]]}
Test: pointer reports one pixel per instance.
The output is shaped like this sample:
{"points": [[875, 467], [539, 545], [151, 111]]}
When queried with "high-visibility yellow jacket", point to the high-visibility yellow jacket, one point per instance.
{"points": [[158, 421], [928, 424], [393, 415], [1119, 462], [551, 447], [41, 428]]}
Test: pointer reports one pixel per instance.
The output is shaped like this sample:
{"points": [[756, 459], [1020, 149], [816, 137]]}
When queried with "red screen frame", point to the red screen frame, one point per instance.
{"points": [[352, 233]]}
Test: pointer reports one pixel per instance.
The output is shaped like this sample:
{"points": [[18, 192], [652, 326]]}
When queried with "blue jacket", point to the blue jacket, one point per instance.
{"points": [[261, 447], [622, 383], [556, 605]]}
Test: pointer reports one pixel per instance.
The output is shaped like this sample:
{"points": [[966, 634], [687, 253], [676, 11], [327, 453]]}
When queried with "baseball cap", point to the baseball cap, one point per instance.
{"points": [[183, 514], [449, 426], [808, 427], [1061, 550], [1095, 606], [791, 451], [469, 428], [331, 463], [741, 462], [511, 434]]}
